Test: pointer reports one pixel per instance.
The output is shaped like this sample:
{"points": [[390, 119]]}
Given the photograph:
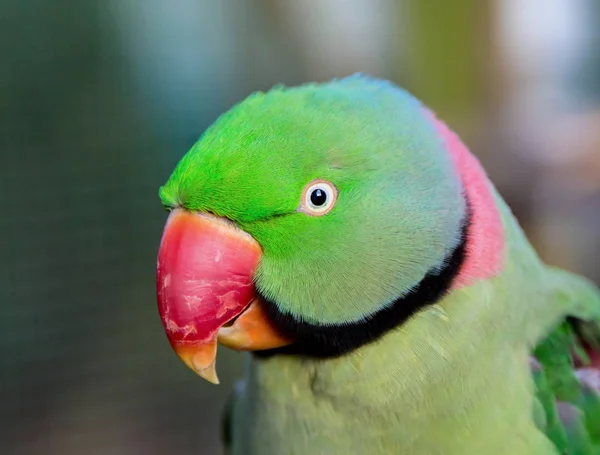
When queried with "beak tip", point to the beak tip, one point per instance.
{"points": [[209, 373], [200, 358]]}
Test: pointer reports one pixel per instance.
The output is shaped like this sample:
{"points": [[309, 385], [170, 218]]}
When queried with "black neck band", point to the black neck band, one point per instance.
{"points": [[319, 341]]}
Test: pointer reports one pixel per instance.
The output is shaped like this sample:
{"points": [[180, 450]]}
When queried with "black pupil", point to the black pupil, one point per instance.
{"points": [[318, 197]]}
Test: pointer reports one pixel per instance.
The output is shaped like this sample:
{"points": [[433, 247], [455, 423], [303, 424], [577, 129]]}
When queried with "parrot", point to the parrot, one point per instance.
{"points": [[388, 301]]}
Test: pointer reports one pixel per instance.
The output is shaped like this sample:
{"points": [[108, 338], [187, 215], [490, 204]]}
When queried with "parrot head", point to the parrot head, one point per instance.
{"points": [[311, 219]]}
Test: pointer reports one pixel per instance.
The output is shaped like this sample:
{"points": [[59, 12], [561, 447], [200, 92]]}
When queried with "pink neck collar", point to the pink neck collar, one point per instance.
{"points": [[485, 235]]}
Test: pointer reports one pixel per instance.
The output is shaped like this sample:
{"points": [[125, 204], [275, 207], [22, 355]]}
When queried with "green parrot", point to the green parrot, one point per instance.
{"points": [[390, 302]]}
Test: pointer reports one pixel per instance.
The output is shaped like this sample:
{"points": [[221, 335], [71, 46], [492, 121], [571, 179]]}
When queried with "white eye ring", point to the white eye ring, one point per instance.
{"points": [[318, 198]]}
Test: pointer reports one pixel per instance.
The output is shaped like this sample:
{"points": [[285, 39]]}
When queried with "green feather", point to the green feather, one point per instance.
{"points": [[549, 422], [557, 353]]}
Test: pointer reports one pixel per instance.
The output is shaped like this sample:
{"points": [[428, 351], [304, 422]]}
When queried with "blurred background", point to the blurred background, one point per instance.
{"points": [[99, 100]]}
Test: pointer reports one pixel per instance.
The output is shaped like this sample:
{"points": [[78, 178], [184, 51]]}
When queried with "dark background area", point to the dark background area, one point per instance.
{"points": [[99, 100]]}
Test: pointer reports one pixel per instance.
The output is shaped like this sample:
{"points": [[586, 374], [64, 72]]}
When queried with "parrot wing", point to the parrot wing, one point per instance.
{"points": [[566, 368]]}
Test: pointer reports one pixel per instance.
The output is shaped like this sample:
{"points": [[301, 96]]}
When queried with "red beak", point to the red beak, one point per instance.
{"points": [[204, 280]]}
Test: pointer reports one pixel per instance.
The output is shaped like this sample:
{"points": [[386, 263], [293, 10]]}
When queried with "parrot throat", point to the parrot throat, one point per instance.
{"points": [[320, 341]]}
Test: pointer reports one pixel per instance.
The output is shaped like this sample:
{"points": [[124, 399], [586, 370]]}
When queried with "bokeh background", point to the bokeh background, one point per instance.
{"points": [[98, 101]]}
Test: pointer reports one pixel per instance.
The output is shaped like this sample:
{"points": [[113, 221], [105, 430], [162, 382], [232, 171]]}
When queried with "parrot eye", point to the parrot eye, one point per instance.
{"points": [[318, 198]]}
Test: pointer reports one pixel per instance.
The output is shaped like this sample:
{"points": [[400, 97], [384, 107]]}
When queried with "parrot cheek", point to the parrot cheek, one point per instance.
{"points": [[204, 281]]}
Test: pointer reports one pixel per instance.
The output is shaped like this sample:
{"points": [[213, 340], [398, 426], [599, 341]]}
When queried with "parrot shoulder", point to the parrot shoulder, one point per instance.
{"points": [[566, 367], [578, 295]]}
